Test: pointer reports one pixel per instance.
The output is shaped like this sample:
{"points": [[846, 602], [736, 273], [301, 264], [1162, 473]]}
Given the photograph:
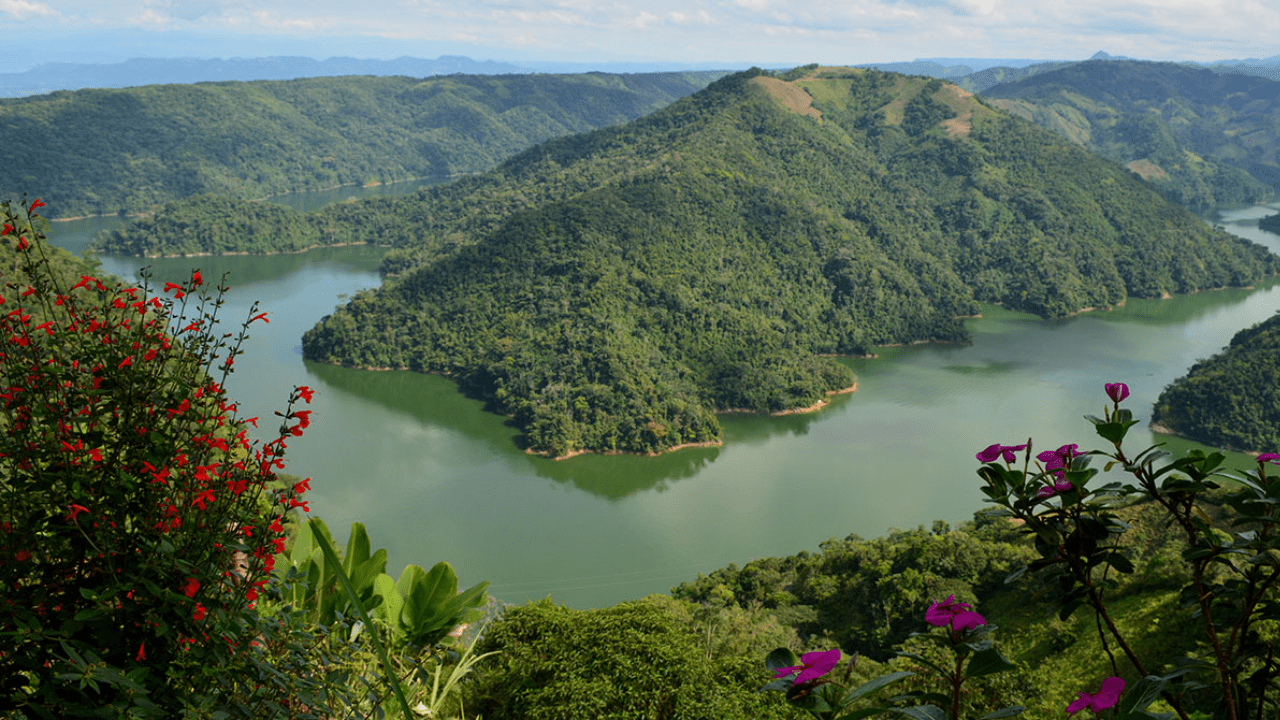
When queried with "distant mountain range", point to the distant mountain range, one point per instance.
{"points": [[51, 77]]}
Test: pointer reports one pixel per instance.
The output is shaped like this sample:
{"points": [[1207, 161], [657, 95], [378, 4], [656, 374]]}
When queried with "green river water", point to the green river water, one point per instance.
{"points": [[434, 477]]}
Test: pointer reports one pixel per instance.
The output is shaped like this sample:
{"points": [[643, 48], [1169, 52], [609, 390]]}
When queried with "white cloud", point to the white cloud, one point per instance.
{"points": [[23, 9]]}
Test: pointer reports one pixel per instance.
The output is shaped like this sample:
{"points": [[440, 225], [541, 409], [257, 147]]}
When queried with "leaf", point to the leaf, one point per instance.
{"points": [[357, 550], [780, 658], [1141, 694], [1004, 712], [988, 662], [873, 685], [922, 712]]}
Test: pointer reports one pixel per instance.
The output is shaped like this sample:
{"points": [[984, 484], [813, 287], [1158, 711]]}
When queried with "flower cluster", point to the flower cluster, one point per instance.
{"points": [[140, 518]]}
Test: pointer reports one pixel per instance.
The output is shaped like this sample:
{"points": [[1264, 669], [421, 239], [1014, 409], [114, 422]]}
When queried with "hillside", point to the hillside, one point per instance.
{"points": [[611, 291], [1232, 399], [1204, 138], [103, 152]]}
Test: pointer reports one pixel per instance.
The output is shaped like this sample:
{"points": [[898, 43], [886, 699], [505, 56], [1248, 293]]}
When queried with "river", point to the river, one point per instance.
{"points": [[434, 477]]}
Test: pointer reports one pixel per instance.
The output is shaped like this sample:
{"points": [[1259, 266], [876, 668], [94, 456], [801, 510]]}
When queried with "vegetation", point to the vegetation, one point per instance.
{"points": [[1231, 400], [131, 150], [141, 528], [611, 291], [1270, 223], [1203, 138]]}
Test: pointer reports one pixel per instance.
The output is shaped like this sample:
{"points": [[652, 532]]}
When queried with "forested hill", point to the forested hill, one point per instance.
{"points": [[102, 152], [1202, 137], [1231, 400], [613, 290]]}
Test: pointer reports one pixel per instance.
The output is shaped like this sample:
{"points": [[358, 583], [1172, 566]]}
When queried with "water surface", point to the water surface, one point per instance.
{"points": [[435, 477]]}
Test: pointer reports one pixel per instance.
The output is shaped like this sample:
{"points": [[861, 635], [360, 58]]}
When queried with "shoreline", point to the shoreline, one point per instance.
{"points": [[1159, 429], [262, 254], [708, 443]]}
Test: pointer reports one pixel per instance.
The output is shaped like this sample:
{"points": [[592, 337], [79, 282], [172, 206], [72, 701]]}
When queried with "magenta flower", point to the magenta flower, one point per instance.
{"points": [[1105, 698], [1055, 460], [1117, 391], [959, 616], [1049, 491], [813, 665], [992, 452], [1269, 458]]}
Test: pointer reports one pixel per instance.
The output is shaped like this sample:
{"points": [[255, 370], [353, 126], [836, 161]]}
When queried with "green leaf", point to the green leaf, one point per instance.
{"points": [[1141, 694], [922, 712], [988, 662], [780, 658], [357, 550], [873, 685]]}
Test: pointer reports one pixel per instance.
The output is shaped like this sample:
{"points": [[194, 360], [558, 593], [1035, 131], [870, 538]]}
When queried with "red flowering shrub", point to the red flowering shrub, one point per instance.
{"points": [[138, 522]]}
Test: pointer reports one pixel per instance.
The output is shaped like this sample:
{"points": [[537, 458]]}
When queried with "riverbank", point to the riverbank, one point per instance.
{"points": [[1159, 429]]}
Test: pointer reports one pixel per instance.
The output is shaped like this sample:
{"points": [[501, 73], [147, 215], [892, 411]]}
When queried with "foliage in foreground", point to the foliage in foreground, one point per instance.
{"points": [[140, 526]]}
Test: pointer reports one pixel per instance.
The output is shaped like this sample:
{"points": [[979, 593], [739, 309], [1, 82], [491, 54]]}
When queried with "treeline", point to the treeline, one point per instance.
{"points": [[610, 291], [700, 653], [131, 150], [1270, 223], [1231, 400], [1204, 138]]}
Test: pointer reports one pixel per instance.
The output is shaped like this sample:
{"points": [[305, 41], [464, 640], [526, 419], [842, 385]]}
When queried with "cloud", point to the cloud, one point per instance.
{"points": [[23, 9]]}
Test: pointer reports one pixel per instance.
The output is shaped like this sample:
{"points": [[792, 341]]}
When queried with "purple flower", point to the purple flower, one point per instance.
{"points": [[1105, 698], [1269, 458], [995, 451], [958, 615], [813, 665], [1049, 491], [1117, 391], [1055, 460]]}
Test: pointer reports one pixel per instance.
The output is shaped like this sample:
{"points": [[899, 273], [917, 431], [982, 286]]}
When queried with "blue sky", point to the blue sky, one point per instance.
{"points": [[766, 32]]}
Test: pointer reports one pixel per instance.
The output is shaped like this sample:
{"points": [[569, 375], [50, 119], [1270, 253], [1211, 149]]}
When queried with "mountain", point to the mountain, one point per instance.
{"points": [[49, 77], [1203, 138], [1231, 400], [611, 291], [103, 152]]}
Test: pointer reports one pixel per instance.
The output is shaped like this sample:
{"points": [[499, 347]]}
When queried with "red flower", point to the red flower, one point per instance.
{"points": [[191, 588], [22, 555], [37, 203], [305, 393], [260, 316], [296, 503], [303, 486], [127, 361], [202, 498], [199, 613], [142, 652], [196, 279], [75, 510]]}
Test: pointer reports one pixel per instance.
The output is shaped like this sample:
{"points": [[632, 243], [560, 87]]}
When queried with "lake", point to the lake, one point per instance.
{"points": [[434, 477]]}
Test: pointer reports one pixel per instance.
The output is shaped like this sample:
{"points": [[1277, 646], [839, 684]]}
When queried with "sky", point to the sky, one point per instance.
{"points": [[769, 33]]}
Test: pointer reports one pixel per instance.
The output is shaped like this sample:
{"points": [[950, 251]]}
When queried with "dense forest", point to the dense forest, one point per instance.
{"points": [[1231, 400], [611, 291], [1203, 137], [254, 139]]}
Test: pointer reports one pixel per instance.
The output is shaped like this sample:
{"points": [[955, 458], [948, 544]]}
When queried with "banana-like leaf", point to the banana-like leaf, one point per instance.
{"points": [[357, 550]]}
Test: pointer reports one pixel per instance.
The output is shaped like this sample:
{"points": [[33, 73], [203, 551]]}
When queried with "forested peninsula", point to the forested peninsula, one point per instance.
{"points": [[1202, 137], [611, 291], [1231, 400], [255, 139]]}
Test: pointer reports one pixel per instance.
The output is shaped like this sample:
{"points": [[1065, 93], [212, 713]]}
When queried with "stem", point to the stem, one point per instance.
{"points": [[956, 681]]}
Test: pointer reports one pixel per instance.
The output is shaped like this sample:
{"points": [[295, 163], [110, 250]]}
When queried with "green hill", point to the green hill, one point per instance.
{"points": [[1232, 399], [611, 291], [103, 152], [1203, 138]]}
